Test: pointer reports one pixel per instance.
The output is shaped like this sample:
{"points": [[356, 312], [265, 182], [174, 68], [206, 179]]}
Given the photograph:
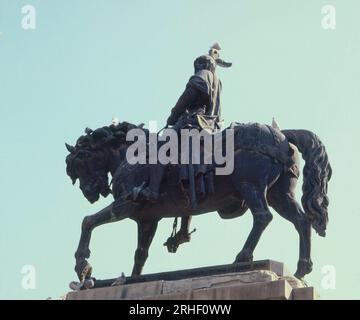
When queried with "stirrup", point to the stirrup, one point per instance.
{"points": [[173, 242]]}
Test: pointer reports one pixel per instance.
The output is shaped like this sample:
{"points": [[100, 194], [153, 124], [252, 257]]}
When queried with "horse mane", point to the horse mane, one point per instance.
{"points": [[105, 136], [113, 136]]}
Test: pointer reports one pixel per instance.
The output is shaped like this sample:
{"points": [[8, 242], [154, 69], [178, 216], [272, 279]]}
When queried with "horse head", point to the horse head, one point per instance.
{"points": [[90, 160]]}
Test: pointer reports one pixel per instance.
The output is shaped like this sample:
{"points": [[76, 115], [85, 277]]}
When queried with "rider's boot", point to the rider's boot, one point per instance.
{"points": [[151, 192]]}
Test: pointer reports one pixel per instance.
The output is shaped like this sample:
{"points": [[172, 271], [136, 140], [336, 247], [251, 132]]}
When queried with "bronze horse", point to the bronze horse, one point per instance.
{"points": [[260, 179]]}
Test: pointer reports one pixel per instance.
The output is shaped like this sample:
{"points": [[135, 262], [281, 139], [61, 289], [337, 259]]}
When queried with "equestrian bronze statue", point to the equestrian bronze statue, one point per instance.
{"points": [[265, 172]]}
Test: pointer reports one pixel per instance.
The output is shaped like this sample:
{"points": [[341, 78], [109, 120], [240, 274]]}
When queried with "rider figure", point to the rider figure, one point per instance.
{"points": [[201, 98], [198, 107]]}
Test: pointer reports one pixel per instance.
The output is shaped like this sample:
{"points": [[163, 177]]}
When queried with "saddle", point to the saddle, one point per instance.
{"points": [[194, 180]]}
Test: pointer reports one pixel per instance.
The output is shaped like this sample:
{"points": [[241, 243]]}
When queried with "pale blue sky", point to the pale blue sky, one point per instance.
{"points": [[90, 60]]}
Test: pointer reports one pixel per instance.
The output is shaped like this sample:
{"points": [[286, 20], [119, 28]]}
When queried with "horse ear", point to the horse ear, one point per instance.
{"points": [[70, 148], [88, 131], [141, 125]]}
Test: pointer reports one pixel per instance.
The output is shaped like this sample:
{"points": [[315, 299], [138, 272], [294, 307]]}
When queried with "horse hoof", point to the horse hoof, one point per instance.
{"points": [[303, 282], [89, 283], [83, 270], [75, 286], [86, 284], [304, 267], [243, 257], [299, 276]]}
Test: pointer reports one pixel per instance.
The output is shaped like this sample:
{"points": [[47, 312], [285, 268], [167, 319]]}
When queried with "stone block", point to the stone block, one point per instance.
{"points": [[272, 290], [260, 280]]}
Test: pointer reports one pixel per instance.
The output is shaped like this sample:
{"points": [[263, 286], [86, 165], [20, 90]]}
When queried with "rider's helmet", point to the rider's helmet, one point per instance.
{"points": [[211, 60]]}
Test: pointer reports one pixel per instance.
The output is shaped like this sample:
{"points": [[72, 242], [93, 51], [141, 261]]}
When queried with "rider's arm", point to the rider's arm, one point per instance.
{"points": [[187, 98]]}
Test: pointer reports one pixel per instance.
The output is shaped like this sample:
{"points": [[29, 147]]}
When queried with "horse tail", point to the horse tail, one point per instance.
{"points": [[317, 173]]}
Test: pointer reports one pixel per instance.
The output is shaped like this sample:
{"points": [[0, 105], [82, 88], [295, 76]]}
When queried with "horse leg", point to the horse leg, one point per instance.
{"points": [[146, 232], [256, 201], [82, 267], [282, 199]]}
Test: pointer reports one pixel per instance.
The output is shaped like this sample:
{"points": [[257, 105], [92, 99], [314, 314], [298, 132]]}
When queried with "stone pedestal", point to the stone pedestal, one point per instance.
{"points": [[260, 280]]}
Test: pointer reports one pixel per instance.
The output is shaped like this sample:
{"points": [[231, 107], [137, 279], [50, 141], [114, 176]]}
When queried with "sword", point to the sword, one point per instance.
{"points": [[192, 181]]}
